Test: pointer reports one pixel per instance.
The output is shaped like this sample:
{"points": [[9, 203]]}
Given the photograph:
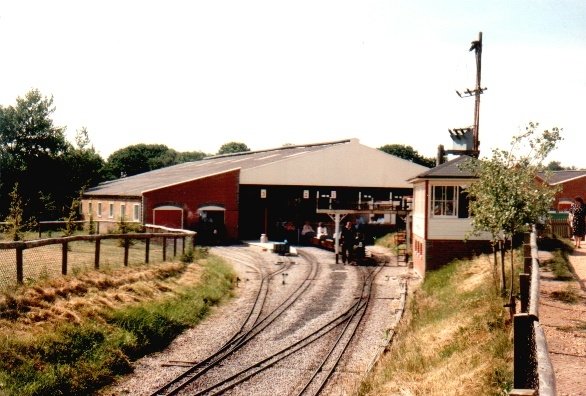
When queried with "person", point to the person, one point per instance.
{"points": [[578, 221], [359, 249], [307, 232], [322, 231], [348, 238]]}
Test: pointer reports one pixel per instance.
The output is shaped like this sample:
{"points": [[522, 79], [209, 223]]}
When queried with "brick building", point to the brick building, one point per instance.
{"points": [[253, 193], [572, 183], [441, 220]]}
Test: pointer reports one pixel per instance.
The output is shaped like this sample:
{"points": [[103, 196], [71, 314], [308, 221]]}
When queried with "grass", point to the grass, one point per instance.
{"points": [[73, 336], [560, 263], [454, 340], [389, 241], [568, 295]]}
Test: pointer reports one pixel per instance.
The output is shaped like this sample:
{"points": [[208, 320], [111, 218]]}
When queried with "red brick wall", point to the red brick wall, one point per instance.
{"points": [[220, 190], [571, 189], [441, 252], [418, 255]]}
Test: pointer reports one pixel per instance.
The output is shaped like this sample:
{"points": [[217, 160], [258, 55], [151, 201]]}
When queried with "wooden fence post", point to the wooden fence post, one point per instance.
{"points": [[174, 247], [64, 247], [126, 246], [182, 245], [97, 254], [147, 244], [524, 284], [164, 248], [19, 265], [523, 347]]}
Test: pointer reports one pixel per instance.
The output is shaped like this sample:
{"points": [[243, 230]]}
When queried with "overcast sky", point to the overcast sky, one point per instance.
{"points": [[194, 75]]}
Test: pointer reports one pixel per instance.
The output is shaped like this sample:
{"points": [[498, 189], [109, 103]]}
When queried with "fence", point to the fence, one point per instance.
{"points": [[31, 260], [533, 371], [558, 224]]}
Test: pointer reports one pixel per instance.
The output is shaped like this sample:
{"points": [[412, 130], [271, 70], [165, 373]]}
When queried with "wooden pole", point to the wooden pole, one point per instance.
{"points": [[64, 258], [126, 246], [19, 266], [523, 360], [164, 248], [97, 254], [147, 250]]}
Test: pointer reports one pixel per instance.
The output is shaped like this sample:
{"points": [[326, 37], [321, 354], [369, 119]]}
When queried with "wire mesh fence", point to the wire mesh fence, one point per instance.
{"points": [[27, 261]]}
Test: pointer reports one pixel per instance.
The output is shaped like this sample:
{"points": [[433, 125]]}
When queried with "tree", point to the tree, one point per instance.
{"points": [[32, 151], [408, 153], [557, 166], [15, 222], [82, 163], [188, 156], [506, 197], [140, 158], [27, 130], [233, 147]]}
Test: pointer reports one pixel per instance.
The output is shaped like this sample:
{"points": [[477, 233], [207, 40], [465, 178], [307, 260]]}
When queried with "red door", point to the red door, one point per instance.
{"points": [[168, 217]]}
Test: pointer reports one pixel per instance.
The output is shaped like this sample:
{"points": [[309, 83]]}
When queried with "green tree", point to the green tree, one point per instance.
{"points": [[506, 197], [83, 164], [233, 147], [27, 129], [15, 222], [408, 153], [32, 151], [139, 158], [188, 156]]}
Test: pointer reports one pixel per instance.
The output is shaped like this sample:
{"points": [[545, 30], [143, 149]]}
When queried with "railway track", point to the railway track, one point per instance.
{"points": [[257, 319], [338, 332]]}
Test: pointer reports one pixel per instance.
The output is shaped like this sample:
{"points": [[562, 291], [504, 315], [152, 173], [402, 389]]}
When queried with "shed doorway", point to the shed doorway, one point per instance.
{"points": [[211, 229]]}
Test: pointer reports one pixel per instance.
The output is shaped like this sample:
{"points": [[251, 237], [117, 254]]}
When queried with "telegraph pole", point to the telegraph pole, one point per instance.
{"points": [[472, 147], [477, 47]]}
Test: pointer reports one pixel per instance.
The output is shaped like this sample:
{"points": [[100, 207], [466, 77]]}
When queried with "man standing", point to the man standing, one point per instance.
{"points": [[348, 238]]}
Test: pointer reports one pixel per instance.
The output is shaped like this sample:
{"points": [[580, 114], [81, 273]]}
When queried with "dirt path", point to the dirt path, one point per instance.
{"points": [[565, 327]]}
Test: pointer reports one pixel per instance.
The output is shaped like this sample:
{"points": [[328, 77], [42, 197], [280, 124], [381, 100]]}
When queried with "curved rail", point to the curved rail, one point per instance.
{"points": [[241, 337], [349, 319]]}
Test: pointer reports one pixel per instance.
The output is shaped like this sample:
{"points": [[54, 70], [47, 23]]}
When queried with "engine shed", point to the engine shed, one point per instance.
{"points": [[273, 192]]}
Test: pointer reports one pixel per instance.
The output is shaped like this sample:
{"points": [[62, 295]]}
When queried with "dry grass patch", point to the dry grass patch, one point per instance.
{"points": [[74, 298], [453, 340], [75, 334]]}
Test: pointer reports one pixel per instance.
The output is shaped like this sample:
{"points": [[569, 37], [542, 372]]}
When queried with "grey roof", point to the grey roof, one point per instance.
{"points": [[134, 186], [450, 169], [557, 177]]}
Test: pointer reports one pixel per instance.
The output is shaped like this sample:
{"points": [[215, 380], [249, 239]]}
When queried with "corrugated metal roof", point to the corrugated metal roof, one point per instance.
{"points": [[133, 186]]}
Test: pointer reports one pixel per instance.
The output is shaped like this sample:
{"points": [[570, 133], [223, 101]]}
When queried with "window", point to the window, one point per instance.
{"points": [[99, 209], [445, 201], [136, 212], [122, 211], [450, 201], [89, 209], [111, 211]]}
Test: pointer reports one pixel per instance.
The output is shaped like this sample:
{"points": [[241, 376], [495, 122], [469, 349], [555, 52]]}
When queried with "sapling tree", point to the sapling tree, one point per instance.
{"points": [[506, 197], [15, 223]]}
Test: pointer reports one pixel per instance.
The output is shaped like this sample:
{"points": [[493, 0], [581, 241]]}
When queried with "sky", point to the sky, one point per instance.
{"points": [[196, 74]]}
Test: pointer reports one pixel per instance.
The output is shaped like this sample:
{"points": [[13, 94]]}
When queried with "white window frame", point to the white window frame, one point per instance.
{"points": [[440, 206], [99, 209], [136, 212], [111, 210], [90, 208], [122, 211]]}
